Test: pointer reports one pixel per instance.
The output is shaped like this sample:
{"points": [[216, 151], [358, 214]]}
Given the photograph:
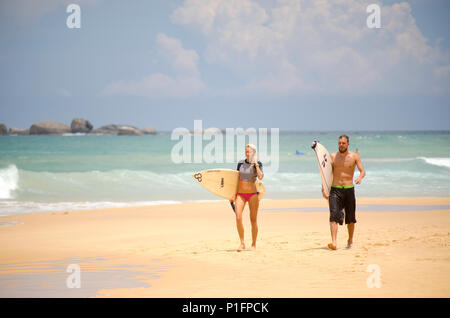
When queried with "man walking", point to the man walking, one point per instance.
{"points": [[342, 194]]}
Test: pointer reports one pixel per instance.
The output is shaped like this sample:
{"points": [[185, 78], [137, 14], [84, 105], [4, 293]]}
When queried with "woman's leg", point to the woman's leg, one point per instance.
{"points": [[253, 204], [239, 205]]}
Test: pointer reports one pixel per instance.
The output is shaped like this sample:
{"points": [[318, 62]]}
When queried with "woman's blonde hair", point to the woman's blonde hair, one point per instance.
{"points": [[252, 147]]}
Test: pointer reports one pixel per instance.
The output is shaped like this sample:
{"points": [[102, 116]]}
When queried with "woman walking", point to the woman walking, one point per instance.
{"points": [[249, 169]]}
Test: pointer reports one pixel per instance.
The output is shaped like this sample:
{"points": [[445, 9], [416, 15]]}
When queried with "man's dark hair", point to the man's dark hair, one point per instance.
{"points": [[345, 136]]}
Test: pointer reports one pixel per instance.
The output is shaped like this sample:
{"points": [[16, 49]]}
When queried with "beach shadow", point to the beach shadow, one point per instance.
{"points": [[235, 251], [220, 251], [314, 248]]}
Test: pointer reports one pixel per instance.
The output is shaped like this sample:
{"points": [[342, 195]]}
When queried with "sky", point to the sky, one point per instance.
{"points": [[304, 65]]}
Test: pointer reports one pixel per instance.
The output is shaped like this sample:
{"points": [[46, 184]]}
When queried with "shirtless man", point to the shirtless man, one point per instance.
{"points": [[342, 194]]}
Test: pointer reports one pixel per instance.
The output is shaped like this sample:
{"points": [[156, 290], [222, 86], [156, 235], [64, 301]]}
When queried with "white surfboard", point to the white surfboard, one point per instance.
{"points": [[325, 166], [224, 182]]}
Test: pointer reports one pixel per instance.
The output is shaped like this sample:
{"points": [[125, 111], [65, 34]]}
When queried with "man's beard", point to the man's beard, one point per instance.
{"points": [[343, 151]]}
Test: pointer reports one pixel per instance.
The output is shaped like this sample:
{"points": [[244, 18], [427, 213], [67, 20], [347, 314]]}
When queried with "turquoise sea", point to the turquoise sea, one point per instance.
{"points": [[73, 171]]}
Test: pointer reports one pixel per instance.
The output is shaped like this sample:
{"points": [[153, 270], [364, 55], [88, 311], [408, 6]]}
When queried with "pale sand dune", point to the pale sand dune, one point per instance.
{"points": [[194, 245]]}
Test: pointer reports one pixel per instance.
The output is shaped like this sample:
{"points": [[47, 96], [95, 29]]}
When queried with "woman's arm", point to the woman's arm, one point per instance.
{"points": [[259, 171]]}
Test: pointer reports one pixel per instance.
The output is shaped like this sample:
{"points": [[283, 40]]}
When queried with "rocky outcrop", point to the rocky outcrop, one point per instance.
{"points": [[130, 131], [118, 130], [17, 131], [80, 125], [3, 130], [208, 131], [149, 131], [49, 127], [106, 130]]}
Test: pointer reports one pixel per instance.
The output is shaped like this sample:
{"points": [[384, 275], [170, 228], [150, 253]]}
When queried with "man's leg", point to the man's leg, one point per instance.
{"points": [[334, 230], [336, 215], [351, 229], [350, 219]]}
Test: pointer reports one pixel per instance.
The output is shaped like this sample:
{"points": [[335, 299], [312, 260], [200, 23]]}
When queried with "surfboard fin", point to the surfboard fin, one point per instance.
{"points": [[232, 206]]}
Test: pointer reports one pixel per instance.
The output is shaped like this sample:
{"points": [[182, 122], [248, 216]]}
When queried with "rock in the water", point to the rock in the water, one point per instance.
{"points": [[149, 131], [108, 129], [130, 131], [3, 130], [49, 127], [118, 130], [17, 131], [80, 125]]}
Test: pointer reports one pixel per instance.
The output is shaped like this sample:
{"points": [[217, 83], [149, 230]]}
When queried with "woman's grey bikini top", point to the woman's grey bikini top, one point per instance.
{"points": [[246, 171]]}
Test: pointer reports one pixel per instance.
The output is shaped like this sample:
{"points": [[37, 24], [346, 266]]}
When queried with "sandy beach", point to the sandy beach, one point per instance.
{"points": [[189, 250]]}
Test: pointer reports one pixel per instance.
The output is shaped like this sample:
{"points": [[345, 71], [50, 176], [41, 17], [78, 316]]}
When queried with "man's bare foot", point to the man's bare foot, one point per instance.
{"points": [[241, 247], [349, 244], [332, 246]]}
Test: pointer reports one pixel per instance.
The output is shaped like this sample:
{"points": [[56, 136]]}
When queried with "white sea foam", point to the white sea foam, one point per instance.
{"points": [[202, 201], [441, 162], [387, 160], [17, 207], [9, 179], [74, 134]]}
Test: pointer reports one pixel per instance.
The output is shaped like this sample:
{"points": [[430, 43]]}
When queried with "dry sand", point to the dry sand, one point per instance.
{"points": [[189, 250]]}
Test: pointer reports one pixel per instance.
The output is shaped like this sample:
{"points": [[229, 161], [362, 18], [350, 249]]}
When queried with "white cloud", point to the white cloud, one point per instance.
{"points": [[303, 46], [198, 12], [186, 82], [183, 61]]}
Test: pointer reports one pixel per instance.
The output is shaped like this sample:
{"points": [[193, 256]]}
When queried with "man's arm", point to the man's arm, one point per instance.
{"points": [[362, 172]]}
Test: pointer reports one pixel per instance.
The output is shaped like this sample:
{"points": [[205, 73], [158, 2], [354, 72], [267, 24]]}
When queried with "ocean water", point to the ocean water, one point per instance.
{"points": [[75, 171]]}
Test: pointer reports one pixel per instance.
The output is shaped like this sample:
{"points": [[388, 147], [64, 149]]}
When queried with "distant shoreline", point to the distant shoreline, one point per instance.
{"points": [[164, 132]]}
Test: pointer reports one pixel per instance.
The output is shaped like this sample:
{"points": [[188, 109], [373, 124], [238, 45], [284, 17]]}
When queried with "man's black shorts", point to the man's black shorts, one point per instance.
{"points": [[342, 199]]}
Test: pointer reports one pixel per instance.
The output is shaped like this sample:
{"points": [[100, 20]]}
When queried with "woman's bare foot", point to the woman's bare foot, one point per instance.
{"points": [[241, 247], [349, 244], [253, 248]]}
